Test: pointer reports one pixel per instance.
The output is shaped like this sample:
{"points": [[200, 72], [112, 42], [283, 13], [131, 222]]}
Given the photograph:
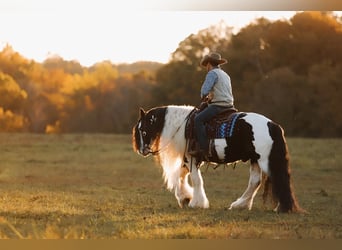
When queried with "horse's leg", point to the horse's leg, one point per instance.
{"points": [[183, 191], [246, 200], [199, 198]]}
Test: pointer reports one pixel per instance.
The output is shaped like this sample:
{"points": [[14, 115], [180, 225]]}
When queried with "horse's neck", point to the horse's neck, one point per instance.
{"points": [[178, 114], [172, 141], [176, 118]]}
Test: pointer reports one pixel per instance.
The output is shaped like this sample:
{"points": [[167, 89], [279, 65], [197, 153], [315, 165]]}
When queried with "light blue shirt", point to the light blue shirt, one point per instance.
{"points": [[210, 80]]}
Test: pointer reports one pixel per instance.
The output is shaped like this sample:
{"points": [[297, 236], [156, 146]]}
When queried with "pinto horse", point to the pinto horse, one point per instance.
{"points": [[160, 131]]}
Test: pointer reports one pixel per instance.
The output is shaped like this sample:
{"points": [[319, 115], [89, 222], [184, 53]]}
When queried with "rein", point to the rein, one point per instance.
{"points": [[174, 134]]}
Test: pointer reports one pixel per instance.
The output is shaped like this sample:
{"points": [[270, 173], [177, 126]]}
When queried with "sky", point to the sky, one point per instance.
{"points": [[92, 31]]}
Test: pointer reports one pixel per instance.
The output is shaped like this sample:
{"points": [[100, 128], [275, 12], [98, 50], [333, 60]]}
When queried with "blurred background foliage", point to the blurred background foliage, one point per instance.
{"points": [[289, 70]]}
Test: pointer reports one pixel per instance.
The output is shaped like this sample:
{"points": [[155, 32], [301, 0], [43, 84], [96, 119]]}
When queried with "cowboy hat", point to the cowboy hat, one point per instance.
{"points": [[214, 58]]}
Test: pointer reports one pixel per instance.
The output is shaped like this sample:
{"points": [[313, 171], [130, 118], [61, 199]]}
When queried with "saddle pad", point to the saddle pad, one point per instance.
{"points": [[224, 129]]}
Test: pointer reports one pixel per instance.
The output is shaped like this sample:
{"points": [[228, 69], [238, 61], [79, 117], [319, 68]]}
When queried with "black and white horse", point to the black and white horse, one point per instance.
{"points": [[161, 132]]}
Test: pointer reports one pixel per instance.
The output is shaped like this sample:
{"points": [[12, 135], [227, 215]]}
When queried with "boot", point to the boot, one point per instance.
{"points": [[199, 155], [194, 152], [194, 149]]}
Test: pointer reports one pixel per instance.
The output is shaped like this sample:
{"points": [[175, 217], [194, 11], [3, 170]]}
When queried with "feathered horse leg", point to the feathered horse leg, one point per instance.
{"points": [[199, 198], [183, 190]]}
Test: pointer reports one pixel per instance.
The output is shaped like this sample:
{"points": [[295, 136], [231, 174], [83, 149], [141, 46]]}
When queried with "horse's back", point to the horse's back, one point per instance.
{"points": [[259, 124], [256, 118], [260, 128]]}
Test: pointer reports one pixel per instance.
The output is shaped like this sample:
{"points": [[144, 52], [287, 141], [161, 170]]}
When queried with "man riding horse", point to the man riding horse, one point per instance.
{"points": [[166, 132], [216, 92]]}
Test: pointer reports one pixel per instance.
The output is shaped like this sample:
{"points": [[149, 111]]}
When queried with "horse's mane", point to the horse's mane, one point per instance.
{"points": [[172, 143]]}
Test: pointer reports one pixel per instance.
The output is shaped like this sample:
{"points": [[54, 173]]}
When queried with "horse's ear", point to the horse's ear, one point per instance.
{"points": [[142, 113]]}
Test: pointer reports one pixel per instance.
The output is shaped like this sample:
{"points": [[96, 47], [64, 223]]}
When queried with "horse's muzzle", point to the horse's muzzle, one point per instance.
{"points": [[145, 151]]}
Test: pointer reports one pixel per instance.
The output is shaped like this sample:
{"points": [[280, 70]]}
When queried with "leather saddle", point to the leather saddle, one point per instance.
{"points": [[220, 126]]}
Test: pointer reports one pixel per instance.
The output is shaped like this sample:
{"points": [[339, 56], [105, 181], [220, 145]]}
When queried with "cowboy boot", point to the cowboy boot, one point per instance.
{"points": [[194, 149], [199, 156]]}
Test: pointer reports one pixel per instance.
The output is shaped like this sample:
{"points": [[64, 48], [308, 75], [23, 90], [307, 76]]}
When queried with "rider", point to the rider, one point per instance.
{"points": [[216, 90]]}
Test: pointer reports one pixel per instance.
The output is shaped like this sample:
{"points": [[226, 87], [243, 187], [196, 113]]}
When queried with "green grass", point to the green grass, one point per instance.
{"points": [[96, 187]]}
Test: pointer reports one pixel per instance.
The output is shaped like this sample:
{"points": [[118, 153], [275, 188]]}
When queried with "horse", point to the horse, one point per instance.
{"points": [[160, 132]]}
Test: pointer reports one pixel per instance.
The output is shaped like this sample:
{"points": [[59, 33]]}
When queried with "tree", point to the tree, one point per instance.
{"points": [[11, 122], [316, 37], [280, 96], [12, 97], [325, 91], [57, 62]]}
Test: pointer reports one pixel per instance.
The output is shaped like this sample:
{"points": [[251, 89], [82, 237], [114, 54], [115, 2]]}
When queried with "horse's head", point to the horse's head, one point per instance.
{"points": [[147, 131]]}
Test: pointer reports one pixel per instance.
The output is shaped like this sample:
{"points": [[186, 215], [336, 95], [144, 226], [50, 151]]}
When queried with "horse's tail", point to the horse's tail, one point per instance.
{"points": [[280, 172]]}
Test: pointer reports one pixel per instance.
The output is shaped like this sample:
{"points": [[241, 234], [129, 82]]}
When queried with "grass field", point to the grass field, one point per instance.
{"points": [[95, 187]]}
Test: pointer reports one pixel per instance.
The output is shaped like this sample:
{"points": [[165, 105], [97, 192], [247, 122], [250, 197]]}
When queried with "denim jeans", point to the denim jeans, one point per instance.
{"points": [[200, 120]]}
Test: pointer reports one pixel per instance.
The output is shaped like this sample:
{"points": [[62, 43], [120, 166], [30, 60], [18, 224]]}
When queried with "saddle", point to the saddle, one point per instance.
{"points": [[220, 126]]}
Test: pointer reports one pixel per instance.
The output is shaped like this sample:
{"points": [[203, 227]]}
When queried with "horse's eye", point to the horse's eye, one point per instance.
{"points": [[144, 133]]}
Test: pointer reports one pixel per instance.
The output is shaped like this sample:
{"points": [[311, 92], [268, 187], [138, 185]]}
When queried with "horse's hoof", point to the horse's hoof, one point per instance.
{"points": [[204, 204], [185, 202], [237, 205]]}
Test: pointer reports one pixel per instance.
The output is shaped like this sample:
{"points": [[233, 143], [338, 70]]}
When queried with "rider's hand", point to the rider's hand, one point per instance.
{"points": [[203, 105]]}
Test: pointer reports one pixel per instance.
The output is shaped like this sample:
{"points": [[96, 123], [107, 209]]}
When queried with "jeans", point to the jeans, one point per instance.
{"points": [[200, 120]]}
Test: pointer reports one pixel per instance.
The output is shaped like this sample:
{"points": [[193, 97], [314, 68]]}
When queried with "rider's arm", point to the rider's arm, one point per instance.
{"points": [[208, 83]]}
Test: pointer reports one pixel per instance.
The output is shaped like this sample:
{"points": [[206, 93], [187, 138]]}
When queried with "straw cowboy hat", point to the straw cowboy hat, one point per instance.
{"points": [[214, 58]]}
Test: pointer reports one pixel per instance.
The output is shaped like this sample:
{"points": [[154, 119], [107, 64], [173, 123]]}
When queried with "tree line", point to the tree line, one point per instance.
{"points": [[289, 70]]}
